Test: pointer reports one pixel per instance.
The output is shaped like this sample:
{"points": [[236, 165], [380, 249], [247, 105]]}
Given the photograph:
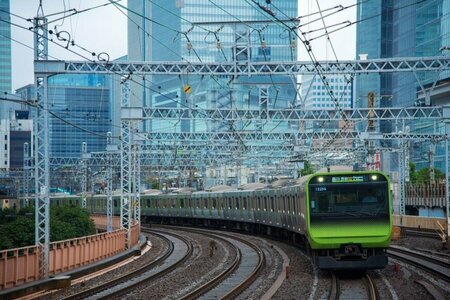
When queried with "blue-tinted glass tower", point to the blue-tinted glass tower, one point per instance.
{"points": [[211, 31], [5, 57], [80, 106], [403, 29]]}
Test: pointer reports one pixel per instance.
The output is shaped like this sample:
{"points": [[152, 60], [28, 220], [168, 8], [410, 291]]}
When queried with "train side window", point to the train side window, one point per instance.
{"points": [[115, 203]]}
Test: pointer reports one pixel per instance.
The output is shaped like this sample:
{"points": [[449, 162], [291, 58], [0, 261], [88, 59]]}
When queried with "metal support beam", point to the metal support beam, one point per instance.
{"points": [[109, 181], [293, 114], [42, 227], [289, 68], [84, 171], [26, 174], [125, 164], [137, 176]]}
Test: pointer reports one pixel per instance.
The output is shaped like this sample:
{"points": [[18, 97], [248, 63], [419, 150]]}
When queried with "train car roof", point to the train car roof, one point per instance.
{"points": [[183, 191], [336, 169], [252, 186], [280, 183], [151, 192], [219, 188]]}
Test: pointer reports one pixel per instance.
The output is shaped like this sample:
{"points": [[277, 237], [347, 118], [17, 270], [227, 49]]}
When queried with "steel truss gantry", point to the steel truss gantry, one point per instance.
{"points": [[296, 114], [383, 65], [41, 156], [27, 167], [84, 173], [252, 136], [111, 149], [45, 68]]}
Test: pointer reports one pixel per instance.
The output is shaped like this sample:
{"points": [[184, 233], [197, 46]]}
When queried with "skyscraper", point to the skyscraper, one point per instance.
{"points": [[5, 57], [211, 31], [80, 111], [402, 29]]}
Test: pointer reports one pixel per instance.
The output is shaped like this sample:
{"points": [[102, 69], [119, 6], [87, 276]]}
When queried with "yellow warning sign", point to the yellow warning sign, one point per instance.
{"points": [[187, 89]]}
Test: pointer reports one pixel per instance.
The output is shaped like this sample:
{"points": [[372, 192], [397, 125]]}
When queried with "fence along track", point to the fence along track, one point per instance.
{"points": [[126, 279]]}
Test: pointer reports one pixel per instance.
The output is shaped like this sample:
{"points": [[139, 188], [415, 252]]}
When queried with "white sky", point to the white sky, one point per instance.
{"points": [[105, 30]]}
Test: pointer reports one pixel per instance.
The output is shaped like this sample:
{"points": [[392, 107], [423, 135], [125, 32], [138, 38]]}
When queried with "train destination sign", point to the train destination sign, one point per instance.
{"points": [[339, 179]]}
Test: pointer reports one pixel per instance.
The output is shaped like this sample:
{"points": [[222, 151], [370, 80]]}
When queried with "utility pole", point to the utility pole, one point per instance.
{"points": [[431, 159], [84, 171], [26, 174], [42, 163], [403, 171], [110, 149]]}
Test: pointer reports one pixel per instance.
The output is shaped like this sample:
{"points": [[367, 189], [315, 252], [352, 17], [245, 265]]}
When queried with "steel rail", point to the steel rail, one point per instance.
{"points": [[433, 265], [126, 277], [233, 293]]}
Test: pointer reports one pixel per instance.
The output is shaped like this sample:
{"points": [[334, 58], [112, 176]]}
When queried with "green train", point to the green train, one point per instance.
{"points": [[344, 219]]}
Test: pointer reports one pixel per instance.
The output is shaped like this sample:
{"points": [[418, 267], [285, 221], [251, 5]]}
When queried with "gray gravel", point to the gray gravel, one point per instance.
{"points": [[270, 271], [196, 271], [301, 275]]}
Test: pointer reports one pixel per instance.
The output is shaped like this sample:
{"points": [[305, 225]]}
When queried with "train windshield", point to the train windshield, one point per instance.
{"points": [[368, 200]]}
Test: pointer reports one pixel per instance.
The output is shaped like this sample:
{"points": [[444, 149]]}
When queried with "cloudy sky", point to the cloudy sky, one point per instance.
{"points": [[105, 30]]}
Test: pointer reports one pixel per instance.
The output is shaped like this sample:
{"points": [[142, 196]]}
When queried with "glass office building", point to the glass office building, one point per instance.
{"points": [[5, 58], [81, 107], [82, 110], [403, 29], [212, 31]]}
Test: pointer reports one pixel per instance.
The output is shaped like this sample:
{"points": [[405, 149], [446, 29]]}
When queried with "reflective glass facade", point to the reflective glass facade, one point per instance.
{"points": [[404, 29], [5, 57], [211, 41], [84, 102]]}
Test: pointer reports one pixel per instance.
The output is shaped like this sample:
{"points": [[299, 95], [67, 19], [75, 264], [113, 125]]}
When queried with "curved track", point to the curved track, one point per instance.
{"points": [[238, 276], [437, 266], [353, 288], [179, 249]]}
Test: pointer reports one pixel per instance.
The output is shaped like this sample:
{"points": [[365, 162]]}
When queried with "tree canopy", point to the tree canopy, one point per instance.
{"points": [[66, 222], [307, 169], [423, 175]]}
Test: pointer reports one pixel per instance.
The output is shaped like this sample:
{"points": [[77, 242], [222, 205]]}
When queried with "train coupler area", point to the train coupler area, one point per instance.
{"points": [[350, 257]]}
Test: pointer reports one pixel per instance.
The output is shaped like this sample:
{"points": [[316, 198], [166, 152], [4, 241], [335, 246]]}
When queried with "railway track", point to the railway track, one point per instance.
{"points": [[435, 265], [352, 288], [179, 250], [422, 233], [235, 278]]}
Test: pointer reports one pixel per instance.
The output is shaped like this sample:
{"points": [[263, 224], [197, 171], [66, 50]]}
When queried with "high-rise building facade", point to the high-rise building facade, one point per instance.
{"points": [[316, 96], [212, 31], [80, 111], [5, 58], [402, 29]]}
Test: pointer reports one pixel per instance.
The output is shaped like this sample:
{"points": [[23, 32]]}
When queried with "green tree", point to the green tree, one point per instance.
{"points": [[66, 222], [307, 169], [423, 175]]}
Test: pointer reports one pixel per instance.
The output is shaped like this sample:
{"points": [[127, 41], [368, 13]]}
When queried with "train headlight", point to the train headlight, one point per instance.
{"points": [[320, 179], [374, 177]]}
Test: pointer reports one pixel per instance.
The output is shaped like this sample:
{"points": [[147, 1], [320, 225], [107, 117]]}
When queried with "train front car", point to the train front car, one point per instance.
{"points": [[349, 221]]}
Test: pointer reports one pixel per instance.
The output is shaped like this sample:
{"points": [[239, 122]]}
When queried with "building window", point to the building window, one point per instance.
{"points": [[6, 146], [6, 137]]}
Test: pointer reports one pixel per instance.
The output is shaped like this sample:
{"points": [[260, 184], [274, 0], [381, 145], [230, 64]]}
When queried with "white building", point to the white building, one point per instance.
{"points": [[13, 134], [316, 96]]}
